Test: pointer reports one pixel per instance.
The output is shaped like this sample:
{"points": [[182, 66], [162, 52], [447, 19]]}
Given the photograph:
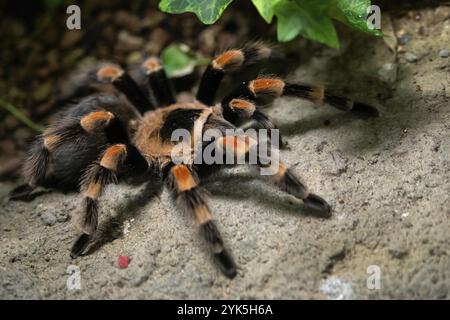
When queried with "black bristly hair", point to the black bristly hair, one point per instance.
{"points": [[229, 61], [103, 140], [158, 82]]}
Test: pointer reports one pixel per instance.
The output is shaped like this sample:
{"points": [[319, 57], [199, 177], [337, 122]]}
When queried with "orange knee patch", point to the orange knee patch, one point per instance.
{"points": [[202, 214], [93, 190], [230, 142], [270, 86], [110, 73], [151, 65], [183, 177], [228, 59], [113, 156], [51, 141], [275, 170], [96, 120], [244, 106], [239, 145], [318, 94], [281, 171]]}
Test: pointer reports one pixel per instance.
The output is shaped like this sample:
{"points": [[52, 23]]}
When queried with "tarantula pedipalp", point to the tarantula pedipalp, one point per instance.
{"points": [[103, 139]]}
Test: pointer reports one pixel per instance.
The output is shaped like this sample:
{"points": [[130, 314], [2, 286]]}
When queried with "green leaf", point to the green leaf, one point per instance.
{"points": [[265, 8], [175, 60], [305, 18], [208, 11], [179, 61], [353, 13], [288, 23]]}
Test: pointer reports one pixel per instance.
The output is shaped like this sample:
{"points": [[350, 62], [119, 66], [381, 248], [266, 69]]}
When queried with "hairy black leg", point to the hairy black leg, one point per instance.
{"points": [[22, 193], [121, 155], [124, 83], [235, 108], [105, 122], [158, 82], [80, 245], [275, 169], [35, 167], [321, 95], [190, 197], [57, 158], [226, 62], [96, 178], [275, 87], [287, 180]]}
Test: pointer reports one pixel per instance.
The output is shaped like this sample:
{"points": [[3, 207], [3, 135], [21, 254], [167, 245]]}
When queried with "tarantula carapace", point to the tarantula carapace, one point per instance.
{"points": [[105, 138]]}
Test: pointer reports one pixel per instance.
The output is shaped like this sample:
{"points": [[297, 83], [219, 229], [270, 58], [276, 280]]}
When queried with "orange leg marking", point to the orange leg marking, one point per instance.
{"points": [[183, 177], [113, 156], [96, 120], [232, 58]]}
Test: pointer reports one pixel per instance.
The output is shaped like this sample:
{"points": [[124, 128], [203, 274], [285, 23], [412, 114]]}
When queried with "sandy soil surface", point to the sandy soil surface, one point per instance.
{"points": [[388, 180]]}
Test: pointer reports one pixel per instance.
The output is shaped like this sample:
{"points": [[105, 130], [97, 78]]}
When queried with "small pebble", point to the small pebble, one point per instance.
{"points": [[48, 218], [123, 262], [388, 72], [62, 217], [411, 57], [444, 53], [404, 39]]}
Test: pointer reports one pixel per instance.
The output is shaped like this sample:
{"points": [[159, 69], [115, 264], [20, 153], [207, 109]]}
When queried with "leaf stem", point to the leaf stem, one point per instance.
{"points": [[20, 116]]}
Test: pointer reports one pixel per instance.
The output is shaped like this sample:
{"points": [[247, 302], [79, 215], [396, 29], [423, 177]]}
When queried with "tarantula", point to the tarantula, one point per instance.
{"points": [[104, 138]]}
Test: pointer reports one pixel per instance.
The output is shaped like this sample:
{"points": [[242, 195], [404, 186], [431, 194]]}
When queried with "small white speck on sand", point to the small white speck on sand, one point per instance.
{"points": [[126, 227], [336, 288]]}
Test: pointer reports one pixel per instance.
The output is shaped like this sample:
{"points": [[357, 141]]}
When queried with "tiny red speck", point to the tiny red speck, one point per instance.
{"points": [[123, 262]]}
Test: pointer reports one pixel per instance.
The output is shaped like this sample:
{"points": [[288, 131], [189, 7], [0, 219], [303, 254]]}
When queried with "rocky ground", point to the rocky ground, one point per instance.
{"points": [[388, 180]]}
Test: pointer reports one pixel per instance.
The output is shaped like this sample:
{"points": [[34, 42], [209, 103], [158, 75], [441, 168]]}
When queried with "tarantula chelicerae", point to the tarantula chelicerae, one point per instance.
{"points": [[97, 142]]}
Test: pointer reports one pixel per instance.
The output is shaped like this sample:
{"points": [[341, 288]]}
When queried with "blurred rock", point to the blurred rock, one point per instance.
{"points": [[42, 92], [48, 218], [404, 39], [62, 216], [127, 21], [21, 136], [444, 53], [7, 148], [411, 57], [128, 42], [157, 41], [388, 72], [71, 38], [10, 122]]}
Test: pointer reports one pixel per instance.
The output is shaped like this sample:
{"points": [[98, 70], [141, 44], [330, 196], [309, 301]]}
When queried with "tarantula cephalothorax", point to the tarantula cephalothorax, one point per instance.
{"points": [[103, 139]]}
